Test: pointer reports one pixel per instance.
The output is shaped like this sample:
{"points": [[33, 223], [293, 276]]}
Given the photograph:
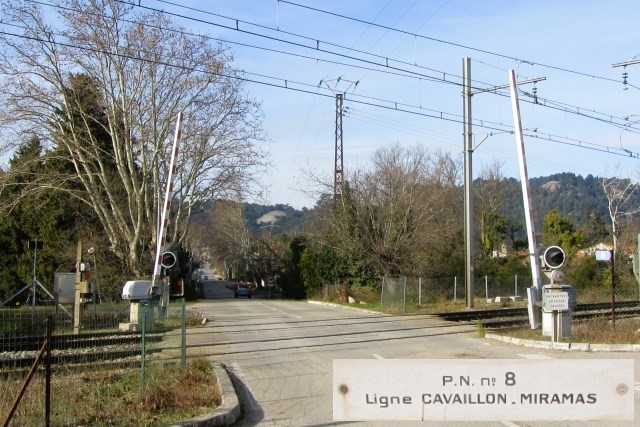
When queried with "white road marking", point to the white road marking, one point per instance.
{"points": [[377, 356], [280, 311], [636, 386], [509, 424], [535, 356]]}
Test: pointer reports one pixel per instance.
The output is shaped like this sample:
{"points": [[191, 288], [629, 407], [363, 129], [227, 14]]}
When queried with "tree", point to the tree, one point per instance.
{"points": [[493, 226], [52, 219], [594, 229], [226, 236], [138, 72], [619, 193], [394, 216], [558, 230]]}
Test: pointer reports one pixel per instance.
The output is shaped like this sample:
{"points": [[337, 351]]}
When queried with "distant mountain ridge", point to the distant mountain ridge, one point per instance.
{"points": [[572, 196]]}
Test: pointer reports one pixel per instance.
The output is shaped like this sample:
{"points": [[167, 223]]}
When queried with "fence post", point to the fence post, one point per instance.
{"points": [[419, 290], [47, 392], [516, 285], [382, 293], [455, 288], [184, 336], [404, 296], [142, 354], [486, 287]]}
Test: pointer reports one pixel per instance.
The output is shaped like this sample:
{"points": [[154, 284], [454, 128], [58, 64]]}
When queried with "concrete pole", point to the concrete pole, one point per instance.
{"points": [[468, 183]]}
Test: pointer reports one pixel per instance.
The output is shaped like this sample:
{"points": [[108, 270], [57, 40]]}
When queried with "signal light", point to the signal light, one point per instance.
{"points": [[553, 257], [169, 259]]}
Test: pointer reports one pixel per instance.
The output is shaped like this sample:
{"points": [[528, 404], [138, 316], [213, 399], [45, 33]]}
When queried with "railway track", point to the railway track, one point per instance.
{"points": [[77, 349], [513, 316]]}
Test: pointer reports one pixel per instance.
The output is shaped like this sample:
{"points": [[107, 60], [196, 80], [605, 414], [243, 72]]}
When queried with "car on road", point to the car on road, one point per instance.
{"points": [[243, 289]]}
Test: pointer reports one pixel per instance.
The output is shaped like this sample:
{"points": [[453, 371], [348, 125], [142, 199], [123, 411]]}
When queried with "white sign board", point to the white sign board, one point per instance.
{"points": [[603, 255], [483, 390], [555, 300]]}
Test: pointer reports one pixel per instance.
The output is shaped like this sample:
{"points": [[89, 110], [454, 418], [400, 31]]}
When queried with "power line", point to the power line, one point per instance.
{"points": [[571, 109], [395, 107], [392, 105], [513, 58], [385, 61]]}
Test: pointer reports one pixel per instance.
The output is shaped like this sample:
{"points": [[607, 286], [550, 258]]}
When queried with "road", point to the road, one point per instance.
{"points": [[282, 353]]}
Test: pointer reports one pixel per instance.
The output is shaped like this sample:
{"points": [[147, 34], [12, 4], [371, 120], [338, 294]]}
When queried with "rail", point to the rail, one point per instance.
{"points": [[518, 315]]}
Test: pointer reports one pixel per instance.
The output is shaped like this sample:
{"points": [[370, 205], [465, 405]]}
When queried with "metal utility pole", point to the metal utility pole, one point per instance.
{"points": [[467, 93], [468, 183], [338, 176], [338, 179]]}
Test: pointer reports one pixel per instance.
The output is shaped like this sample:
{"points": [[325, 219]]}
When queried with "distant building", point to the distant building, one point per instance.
{"points": [[504, 251]]}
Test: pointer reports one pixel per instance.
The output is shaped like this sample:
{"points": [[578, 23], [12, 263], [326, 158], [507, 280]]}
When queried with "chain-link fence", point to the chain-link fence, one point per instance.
{"points": [[443, 294], [105, 343]]}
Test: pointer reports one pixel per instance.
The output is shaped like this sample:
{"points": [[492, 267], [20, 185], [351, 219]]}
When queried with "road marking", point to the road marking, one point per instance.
{"points": [[377, 356], [280, 311], [535, 356], [636, 386], [509, 424]]}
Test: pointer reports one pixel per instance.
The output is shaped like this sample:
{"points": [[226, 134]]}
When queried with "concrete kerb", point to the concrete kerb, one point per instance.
{"points": [[564, 346], [346, 307], [224, 415]]}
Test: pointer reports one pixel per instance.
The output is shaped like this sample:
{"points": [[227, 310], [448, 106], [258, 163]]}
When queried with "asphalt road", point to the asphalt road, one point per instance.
{"points": [[282, 353]]}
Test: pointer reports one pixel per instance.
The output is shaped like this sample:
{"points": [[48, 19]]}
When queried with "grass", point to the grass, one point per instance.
{"points": [[112, 398], [599, 330]]}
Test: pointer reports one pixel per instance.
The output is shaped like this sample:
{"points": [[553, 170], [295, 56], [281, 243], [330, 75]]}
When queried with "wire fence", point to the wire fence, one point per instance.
{"points": [[442, 294], [106, 341]]}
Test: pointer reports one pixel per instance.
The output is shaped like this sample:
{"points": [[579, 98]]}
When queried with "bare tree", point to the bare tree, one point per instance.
{"points": [[619, 192], [404, 204], [491, 198], [225, 234], [144, 70]]}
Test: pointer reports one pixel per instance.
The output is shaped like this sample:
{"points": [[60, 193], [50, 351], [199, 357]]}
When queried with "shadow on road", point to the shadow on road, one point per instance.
{"points": [[252, 412]]}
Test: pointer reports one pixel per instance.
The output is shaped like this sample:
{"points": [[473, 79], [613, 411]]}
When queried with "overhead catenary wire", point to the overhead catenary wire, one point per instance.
{"points": [[395, 106], [400, 107], [488, 52], [390, 70], [571, 109]]}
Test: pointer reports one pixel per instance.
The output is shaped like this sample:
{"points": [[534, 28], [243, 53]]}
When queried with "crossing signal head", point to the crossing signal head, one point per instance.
{"points": [[553, 257], [169, 259]]}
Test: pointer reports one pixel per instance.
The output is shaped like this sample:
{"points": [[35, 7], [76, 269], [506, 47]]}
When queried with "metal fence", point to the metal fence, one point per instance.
{"points": [[106, 341], [441, 294]]}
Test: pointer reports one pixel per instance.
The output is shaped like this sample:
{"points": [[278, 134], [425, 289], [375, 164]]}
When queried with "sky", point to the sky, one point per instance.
{"points": [[407, 56]]}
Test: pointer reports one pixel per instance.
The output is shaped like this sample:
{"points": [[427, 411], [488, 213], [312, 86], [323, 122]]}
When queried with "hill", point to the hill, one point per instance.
{"points": [[277, 219], [573, 196]]}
